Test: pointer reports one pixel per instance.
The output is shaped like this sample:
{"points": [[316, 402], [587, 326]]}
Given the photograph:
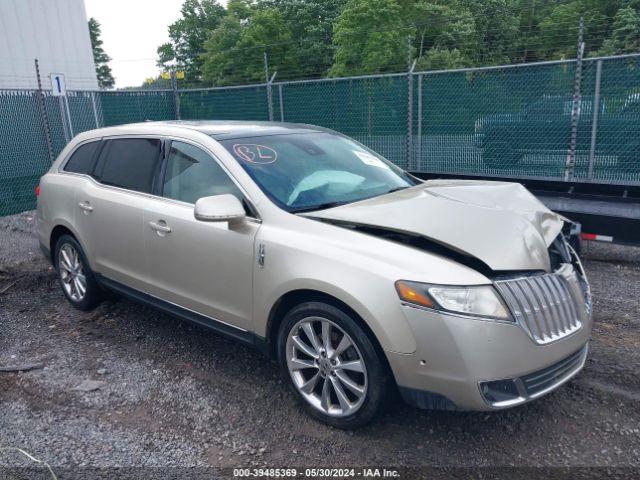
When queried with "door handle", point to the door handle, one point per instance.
{"points": [[85, 206], [160, 226]]}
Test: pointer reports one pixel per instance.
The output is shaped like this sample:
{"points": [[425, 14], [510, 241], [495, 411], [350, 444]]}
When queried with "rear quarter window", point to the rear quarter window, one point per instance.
{"points": [[81, 160], [129, 163]]}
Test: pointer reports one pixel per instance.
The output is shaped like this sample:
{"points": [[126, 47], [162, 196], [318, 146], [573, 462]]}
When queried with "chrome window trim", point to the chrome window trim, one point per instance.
{"points": [[152, 196]]}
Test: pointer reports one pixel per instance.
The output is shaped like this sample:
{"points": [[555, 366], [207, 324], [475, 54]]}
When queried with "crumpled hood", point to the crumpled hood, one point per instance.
{"points": [[502, 224]]}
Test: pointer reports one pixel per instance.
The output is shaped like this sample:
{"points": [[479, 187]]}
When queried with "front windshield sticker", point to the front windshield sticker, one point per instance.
{"points": [[253, 153], [369, 159]]}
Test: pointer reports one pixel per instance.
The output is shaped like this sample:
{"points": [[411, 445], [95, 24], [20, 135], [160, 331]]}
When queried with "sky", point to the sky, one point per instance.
{"points": [[132, 30]]}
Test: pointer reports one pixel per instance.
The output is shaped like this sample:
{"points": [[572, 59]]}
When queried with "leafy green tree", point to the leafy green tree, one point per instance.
{"points": [[188, 35], [311, 38], [100, 58], [559, 30], [445, 30], [439, 58], [311, 23], [234, 52], [625, 36], [497, 28], [370, 36]]}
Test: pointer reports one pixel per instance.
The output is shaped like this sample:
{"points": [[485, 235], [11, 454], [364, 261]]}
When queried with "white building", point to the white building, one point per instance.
{"points": [[53, 31]]}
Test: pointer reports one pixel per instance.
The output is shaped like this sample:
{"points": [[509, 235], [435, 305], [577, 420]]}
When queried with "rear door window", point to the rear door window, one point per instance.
{"points": [[129, 163], [82, 159]]}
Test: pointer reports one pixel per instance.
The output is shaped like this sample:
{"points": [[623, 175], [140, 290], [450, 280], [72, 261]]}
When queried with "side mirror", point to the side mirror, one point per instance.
{"points": [[219, 208]]}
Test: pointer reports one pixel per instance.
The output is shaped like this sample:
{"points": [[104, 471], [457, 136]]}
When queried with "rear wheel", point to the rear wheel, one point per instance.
{"points": [[332, 364], [75, 276]]}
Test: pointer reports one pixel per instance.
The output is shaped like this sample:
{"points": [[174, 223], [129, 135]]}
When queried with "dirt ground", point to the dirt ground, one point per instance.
{"points": [[175, 395]]}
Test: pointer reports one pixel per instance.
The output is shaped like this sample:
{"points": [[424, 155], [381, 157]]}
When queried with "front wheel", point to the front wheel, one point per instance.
{"points": [[333, 366]]}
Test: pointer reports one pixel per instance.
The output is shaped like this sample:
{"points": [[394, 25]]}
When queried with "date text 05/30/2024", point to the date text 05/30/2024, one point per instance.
{"points": [[316, 472]]}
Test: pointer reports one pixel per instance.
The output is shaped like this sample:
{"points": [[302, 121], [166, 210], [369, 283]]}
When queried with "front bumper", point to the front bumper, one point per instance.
{"points": [[458, 357]]}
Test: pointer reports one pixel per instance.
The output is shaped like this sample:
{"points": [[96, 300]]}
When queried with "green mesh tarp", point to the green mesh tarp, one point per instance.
{"points": [[617, 139], [246, 103], [517, 122], [372, 110], [23, 150], [123, 107], [514, 121]]}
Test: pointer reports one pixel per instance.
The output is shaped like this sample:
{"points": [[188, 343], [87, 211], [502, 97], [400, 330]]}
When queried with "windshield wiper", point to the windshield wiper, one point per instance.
{"points": [[322, 206], [397, 189]]}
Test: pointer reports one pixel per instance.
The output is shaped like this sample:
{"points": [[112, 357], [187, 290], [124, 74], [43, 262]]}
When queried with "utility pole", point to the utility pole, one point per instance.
{"points": [[43, 113], [575, 107]]}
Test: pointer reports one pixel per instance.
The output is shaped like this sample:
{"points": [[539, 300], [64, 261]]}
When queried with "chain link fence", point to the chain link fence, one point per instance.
{"points": [[518, 121]]}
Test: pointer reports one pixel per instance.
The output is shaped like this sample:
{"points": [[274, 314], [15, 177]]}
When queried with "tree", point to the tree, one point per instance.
{"points": [[438, 58], [312, 38], [188, 35], [445, 32], [559, 29], [100, 58], [497, 29], [311, 24], [235, 50], [625, 36], [370, 36]]}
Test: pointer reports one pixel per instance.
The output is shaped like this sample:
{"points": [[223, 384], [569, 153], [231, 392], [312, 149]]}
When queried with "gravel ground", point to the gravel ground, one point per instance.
{"points": [[176, 396]]}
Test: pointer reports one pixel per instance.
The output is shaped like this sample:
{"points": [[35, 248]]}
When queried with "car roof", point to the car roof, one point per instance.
{"points": [[232, 129]]}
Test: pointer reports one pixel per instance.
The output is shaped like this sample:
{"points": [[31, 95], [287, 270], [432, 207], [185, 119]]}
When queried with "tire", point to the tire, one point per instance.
{"points": [[354, 397], [74, 273]]}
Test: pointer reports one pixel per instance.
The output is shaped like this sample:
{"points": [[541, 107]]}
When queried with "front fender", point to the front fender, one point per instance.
{"points": [[365, 290]]}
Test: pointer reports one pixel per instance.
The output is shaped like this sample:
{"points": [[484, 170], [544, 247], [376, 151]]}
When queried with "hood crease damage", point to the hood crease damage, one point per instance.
{"points": [[488, 226]]}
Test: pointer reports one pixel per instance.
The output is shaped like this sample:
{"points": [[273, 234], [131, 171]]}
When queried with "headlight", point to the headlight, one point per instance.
{"points": [[481, 301]]}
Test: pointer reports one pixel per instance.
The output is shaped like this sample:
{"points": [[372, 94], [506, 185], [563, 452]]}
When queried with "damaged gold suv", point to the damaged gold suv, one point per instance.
{"points": [[357, 277]]}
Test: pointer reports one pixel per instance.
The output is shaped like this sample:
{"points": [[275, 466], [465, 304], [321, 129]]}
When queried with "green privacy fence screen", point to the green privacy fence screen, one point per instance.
{"points": [[373, 110], [23, 151], [133, 106], [519, 121], [243, 103]]}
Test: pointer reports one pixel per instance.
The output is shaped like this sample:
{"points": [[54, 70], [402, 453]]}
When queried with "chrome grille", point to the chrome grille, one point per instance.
{"points": [[543, 305], [540, 381]]}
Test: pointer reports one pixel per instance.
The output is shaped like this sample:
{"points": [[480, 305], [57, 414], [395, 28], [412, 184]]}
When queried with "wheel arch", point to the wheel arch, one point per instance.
{"points": [[58, 231], [296, 297]]}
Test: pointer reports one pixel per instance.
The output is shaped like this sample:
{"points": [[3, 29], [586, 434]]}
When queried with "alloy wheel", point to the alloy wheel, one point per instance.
{"points": [[326, 367], [72, 273]]}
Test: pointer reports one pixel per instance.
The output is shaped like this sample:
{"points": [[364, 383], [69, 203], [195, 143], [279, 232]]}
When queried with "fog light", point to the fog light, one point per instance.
{"points": [[499, 391]]}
